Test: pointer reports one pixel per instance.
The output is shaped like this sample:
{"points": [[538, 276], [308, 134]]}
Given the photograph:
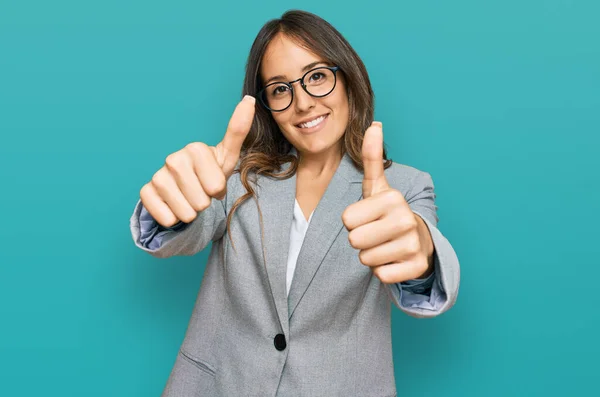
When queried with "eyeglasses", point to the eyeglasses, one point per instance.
{"points": [[317, 82]]}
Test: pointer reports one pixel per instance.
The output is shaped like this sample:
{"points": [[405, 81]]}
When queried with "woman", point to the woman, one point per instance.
{"points": [[314, 231]]}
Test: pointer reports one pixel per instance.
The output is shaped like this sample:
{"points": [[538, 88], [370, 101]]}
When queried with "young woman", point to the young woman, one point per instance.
{"points": [[314, 231]]}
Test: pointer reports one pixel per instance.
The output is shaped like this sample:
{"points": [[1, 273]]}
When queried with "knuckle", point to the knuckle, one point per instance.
{"points": [[158, 179], [145, 191], [406, 224], [421, 268], [175, 161], [188, 216], [202, 204], [205, 203], [383, 275], [416, 244], [216, 186], [411, 222], [363, 256], [195, 147], [166, 220], [222, 184], [391, 196], [397, 228], [413, 246], [220, 195], [346, 218], [353, 239]]}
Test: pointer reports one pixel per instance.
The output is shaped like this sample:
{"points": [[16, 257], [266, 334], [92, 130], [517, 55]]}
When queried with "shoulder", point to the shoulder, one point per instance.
{"points": [[399, 172], [234, 189], [405, 177]]}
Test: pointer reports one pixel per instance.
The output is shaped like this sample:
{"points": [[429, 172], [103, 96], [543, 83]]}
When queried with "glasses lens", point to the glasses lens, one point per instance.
{"points": [[320, 82], [277, 96]]}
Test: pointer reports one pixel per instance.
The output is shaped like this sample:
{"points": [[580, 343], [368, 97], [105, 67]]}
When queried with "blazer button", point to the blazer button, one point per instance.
{"points": [[279, 342]]}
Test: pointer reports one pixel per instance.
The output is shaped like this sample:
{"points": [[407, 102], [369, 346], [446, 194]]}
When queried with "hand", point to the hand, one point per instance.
{"points": [[194, 175], [382, 225]]}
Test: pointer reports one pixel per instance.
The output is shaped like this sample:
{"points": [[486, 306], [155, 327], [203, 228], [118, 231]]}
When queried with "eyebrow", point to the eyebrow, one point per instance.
{"points": [[304, 69]]}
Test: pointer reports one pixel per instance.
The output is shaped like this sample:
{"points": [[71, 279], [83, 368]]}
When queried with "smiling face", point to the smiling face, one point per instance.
{"points": [[313, 125]]}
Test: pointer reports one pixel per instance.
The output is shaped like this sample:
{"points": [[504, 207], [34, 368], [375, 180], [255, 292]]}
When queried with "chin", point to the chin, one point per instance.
{"points": [[317, 147]]}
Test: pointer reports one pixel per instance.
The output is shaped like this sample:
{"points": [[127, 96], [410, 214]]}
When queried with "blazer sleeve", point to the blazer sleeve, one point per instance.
{"points": [[444, 290], [182, 239]]}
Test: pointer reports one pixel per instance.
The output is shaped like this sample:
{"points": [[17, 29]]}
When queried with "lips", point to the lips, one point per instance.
{"points": [[312, 122]]}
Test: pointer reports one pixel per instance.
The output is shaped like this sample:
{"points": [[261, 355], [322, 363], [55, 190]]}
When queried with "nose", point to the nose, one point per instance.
{"points": [[303, 101]]}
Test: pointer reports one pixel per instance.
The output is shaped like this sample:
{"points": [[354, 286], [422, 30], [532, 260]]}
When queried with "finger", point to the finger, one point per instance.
{"points": [[372, 155], [181, 167], [239, 126], [168, 190], [210, 175], [389, 202], [389, 252], [399, 272], [158, 209], [375, 233], [363, 212]]}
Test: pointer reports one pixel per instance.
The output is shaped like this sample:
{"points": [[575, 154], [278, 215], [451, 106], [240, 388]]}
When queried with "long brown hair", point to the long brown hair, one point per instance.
{"points": [[265, 148]]}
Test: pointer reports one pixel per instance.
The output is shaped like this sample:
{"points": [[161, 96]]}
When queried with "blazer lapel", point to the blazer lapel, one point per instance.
{"points": [[344, 189], [276, 199]]}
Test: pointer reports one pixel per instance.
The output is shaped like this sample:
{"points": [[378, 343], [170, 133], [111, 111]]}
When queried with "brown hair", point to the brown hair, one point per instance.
{"points": [[265, 148]]}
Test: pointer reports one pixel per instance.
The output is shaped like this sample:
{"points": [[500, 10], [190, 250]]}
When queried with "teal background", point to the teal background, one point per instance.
{"points": [[499, 101]]}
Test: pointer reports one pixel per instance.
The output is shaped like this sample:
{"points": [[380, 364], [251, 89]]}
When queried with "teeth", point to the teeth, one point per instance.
{"points": [[312, 123]]}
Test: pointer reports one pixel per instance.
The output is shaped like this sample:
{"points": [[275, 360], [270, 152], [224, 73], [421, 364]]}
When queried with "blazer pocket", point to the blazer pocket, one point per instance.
{"points": [[201, 365]]}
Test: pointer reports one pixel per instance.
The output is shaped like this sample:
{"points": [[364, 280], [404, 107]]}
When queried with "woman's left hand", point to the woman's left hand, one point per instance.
{"points": [[393, 240]]}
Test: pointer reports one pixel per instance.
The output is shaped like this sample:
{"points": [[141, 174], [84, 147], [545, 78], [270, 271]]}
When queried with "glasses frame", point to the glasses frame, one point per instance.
{"points": [[334, 69]]}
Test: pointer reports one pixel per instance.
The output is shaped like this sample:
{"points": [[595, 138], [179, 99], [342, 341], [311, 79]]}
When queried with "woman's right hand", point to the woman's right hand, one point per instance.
{"points": [[192, 176]]}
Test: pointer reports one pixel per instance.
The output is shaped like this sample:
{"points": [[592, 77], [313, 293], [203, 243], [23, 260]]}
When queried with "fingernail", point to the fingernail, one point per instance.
{"points": [[249, 98], [378, 124]]}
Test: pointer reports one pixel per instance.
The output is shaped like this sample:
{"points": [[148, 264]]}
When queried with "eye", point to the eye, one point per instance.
{"points": [[317, 76], [279, 90]]}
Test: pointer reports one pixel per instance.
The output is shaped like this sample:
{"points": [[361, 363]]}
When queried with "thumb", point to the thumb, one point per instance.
{"points": [[374, 180], [228, 150]]}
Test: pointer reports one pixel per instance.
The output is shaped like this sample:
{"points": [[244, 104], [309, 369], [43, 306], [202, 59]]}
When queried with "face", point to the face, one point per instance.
{"points": [[284, 58]]}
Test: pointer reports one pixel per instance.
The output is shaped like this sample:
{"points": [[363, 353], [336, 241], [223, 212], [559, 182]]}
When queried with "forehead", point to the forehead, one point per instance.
{"points": [[285, 57]]}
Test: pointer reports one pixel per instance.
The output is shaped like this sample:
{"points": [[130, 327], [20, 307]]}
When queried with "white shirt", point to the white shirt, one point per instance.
{"points": [[297, 233]]}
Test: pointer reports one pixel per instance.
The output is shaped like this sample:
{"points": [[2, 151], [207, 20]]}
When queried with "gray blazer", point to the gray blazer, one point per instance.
{"points": [[332, 335]]}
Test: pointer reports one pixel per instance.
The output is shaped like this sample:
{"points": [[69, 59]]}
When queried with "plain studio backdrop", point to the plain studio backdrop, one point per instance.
{"points": [[498, 100]]}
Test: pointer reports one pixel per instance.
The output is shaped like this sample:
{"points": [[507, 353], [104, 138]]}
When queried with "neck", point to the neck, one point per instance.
{"points": [[320, 164]]}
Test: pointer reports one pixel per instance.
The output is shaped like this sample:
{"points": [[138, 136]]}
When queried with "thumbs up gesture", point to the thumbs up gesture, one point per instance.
{"points": [[392, 239], [194, 175]]}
